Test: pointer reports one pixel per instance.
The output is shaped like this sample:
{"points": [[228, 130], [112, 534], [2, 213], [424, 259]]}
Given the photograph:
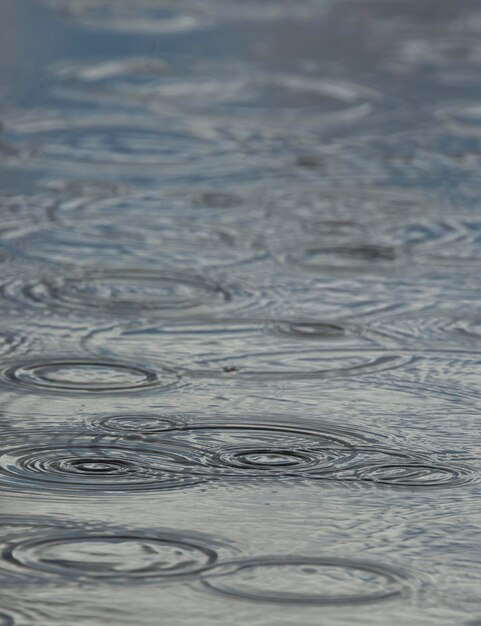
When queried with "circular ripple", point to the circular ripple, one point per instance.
{"points": [[284, 461], [137, 424], [134, 146], [306, 580], [266, 458], [270, 450], [414, 475], [297, 365], [106, 556], [361, 257], [86, 376], [309, 330], [463, 120], [127, 292], [210, 88], [325, 99], [93, 464]]}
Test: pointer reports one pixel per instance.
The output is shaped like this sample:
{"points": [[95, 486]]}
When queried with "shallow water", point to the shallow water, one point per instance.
{"points": [[240, 315]]}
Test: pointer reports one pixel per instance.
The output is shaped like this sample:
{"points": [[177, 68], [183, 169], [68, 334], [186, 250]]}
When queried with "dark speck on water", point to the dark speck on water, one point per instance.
{"points": [[240, 252]]}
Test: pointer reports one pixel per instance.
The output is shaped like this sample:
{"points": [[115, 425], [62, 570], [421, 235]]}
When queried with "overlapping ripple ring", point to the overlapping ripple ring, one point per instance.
{"points": [[136, 424], [92, 464], [267, 450], [127, 291], [287, 579], [117, 142], [86, 376], [127, 556], [299, 365]]}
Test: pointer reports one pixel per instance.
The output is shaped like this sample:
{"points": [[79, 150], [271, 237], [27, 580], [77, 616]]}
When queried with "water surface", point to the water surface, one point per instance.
{"points": [[240, 316]]}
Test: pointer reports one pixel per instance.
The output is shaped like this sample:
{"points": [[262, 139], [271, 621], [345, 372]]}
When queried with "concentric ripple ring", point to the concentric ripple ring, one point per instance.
{"points": [[87, 376], [127, 291], [92, 464], [107, 556]]}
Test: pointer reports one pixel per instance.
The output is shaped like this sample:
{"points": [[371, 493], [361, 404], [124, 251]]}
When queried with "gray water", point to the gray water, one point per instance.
{"points": [[240, 323]]}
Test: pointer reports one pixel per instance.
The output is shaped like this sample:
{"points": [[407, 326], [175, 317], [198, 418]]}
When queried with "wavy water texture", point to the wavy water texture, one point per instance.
{"points": [[239, 294]]}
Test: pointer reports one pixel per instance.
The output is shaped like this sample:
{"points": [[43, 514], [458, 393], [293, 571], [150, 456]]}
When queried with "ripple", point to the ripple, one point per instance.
{"points": [[306, 580], [133, 146], [284, 462], [145, 17], [256, 95], [117, 557], [22, 214], [164, 17], [269, 449], [219, 200], [463, 119], [309, 330], [453, 59], [232, 350], [127, 292], [352, 258], [86, 376], [297, 365], [220, 89], [437, 330], [6, 620], [92, 464], [468, 329], [414, 474], [137, 424], [175, 227], [10, 342]]}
